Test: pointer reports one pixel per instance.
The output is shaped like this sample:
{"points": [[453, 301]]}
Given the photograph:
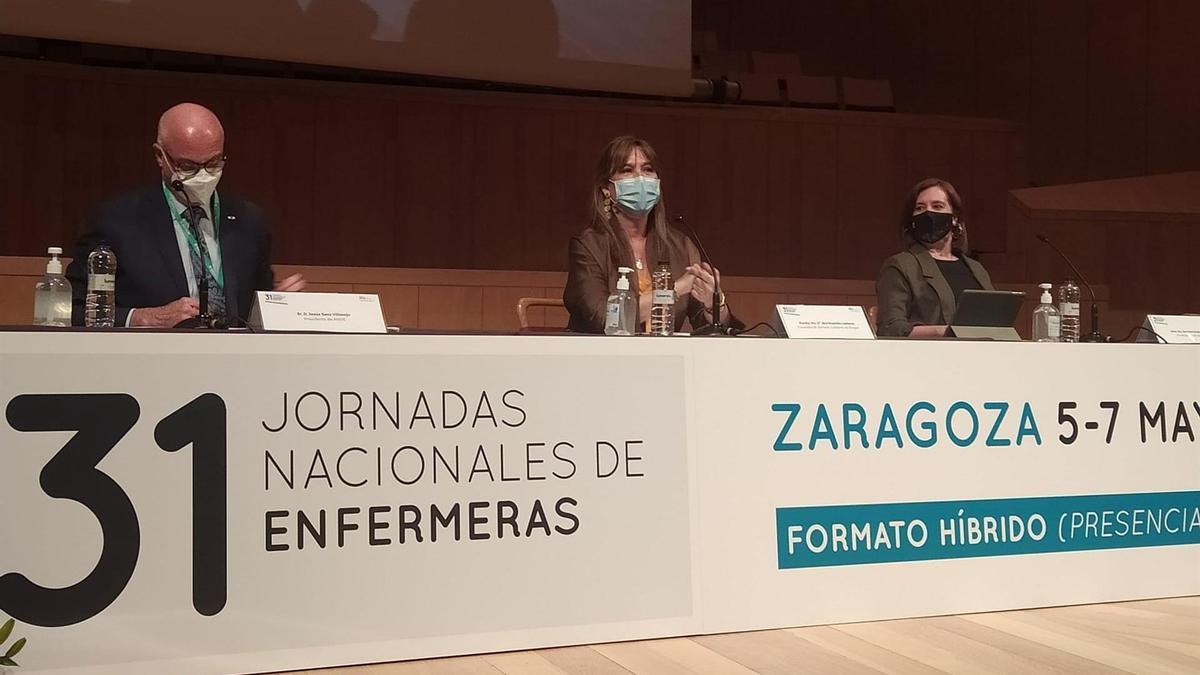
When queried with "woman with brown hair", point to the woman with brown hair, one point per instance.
{"points": [[628, 228], [918, 289]]}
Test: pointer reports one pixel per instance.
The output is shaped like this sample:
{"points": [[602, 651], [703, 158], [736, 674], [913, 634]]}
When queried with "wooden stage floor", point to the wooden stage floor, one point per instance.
{"points": [[1151, 636]]}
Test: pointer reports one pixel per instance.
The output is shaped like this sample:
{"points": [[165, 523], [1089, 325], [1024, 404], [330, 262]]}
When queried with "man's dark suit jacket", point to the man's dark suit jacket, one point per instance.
{"points": [[139, 229]]}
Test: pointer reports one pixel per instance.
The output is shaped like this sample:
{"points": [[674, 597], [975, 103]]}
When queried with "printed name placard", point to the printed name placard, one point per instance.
{"points": [[1173, 328], [845, 322], [320, 312]]}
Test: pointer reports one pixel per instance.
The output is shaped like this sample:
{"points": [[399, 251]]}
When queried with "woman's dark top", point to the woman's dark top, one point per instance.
{"points": [[959, 276]]}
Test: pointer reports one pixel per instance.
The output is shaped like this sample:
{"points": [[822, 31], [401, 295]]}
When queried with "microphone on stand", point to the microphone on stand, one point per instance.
{"points": [[204, 319], [1095, 335], [715, 328]]}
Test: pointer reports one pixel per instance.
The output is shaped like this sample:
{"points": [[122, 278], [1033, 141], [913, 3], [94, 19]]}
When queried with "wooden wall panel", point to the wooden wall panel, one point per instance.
{"points": [[869, 159], [401, 304], [902, 37], [819, 203], [1116, 89], [497, 217], [499, 307], [273, 157], [568, 190], [430, 170], [368, 175], [1003, 59], [1193, 250], [857, 37], [1173, 99], [1105, 88], [742, 237], [531, 201], [107, 141], [16, 300], [684, 180], [13, 130], [354, 198], [950, 67], [988, 197], [784, 174], [714, 204], [44, 180], [1058, 95], [451, 307]]}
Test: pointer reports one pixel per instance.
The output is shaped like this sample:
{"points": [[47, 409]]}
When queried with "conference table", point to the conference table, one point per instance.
{"points": [[198, 502]]}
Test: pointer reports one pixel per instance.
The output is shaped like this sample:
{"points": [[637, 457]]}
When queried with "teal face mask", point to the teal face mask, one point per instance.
{"points": [[638, 194]]}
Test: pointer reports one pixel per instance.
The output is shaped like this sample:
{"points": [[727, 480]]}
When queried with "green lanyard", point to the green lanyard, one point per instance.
{"points": [[186, 229]]}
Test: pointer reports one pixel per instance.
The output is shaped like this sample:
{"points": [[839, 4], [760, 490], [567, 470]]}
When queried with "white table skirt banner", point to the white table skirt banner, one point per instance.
{"points": [[243, 503]]}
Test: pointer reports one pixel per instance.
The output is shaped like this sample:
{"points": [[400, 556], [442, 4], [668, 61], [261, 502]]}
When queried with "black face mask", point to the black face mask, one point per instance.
{"points": [[930, 226]]}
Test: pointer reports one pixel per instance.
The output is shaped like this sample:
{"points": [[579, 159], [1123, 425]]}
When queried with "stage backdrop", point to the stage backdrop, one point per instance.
{"points": [[370, 175]]}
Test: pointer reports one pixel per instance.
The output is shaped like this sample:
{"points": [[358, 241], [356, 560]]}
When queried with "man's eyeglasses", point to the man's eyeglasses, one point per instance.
{"points": [[188, 169]]}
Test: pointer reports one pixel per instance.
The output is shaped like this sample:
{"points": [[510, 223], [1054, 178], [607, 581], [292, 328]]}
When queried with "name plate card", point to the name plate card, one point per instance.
{"points": [[1174, 328], [839, 322], [319, 312]]}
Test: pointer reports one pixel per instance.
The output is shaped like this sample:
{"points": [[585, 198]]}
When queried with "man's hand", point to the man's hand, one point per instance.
{"points": [[166, 316], [291, 284]]}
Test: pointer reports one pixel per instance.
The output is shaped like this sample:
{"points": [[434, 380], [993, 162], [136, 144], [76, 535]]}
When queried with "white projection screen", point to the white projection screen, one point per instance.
{"points": [[634, 46]]}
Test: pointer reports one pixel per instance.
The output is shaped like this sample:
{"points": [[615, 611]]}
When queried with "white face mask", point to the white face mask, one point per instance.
{"points": [[200, 188]]}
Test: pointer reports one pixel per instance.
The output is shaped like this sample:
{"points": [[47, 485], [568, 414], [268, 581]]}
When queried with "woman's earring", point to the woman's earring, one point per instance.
{"points": [[607, 206]]}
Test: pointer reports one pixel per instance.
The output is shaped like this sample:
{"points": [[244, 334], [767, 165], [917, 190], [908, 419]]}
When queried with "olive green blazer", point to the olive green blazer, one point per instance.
{"points": [[911, 291]]}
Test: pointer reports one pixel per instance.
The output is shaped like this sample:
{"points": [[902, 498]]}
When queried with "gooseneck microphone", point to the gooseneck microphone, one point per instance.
{"points": [[204, 319], [1095, 335], [715, 328]]}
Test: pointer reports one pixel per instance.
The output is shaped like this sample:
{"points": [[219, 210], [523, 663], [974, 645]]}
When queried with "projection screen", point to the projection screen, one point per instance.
{"points": [[634, 46]]}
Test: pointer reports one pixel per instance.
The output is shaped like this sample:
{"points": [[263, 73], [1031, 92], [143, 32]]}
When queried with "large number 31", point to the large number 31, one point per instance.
{"points": [[100, 422]]}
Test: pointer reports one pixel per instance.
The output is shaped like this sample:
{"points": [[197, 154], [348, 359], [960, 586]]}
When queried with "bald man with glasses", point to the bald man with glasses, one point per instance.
{"points": [[160, 262]]}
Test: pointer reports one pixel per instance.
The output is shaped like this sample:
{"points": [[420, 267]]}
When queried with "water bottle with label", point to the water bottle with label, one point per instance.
{"points": [[1068, 309], [1046, 319], [52, 295], [101, 305], [621, 318], [662, 307]]}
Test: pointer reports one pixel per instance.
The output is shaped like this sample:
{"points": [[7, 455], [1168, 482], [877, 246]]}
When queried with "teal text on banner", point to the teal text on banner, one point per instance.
{"points": [[821, 536]]}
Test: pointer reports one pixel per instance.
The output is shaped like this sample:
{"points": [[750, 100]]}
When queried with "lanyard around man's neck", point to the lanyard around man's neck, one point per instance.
{"points": [[186, 229]]}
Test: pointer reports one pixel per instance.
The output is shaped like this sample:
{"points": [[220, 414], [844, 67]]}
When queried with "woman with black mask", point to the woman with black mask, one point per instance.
{"points": [[918, 289]]}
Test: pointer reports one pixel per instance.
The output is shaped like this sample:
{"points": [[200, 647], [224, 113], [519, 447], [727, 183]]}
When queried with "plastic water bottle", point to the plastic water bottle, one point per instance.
{"points": [[1046, 319], [622, 307], [101, 307], [1068, 309], [662, 300], [52, 295]]}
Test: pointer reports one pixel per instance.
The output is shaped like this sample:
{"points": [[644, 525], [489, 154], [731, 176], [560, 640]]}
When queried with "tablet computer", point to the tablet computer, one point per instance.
{"points": [[988, 315]]}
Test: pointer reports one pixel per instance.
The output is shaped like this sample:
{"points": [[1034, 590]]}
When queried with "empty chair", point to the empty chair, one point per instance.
{"points": [[523, 306], [759, 88], [860, 94], [782, 63], [812, 91]]}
